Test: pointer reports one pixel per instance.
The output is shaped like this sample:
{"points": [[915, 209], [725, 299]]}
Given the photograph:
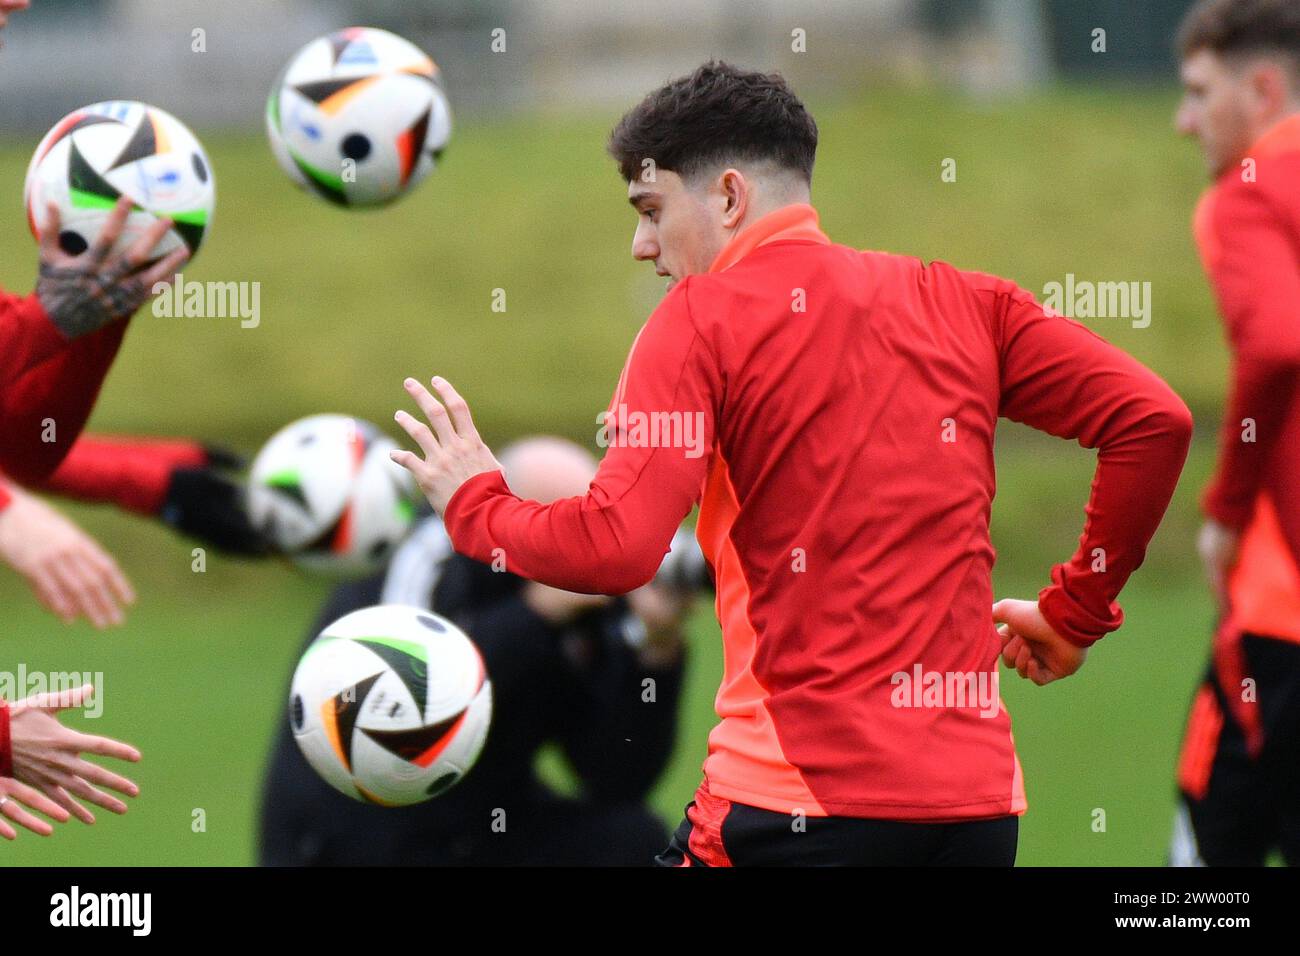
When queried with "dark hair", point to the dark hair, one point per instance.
{"points": [[1235, 28], [717, 114]]}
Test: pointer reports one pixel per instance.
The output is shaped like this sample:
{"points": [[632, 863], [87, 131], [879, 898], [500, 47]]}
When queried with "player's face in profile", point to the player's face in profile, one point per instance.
{"points": [[674, 227], [1215, 109], [11, 6]]}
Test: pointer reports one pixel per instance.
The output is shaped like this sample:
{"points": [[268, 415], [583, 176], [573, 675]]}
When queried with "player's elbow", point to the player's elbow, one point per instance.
{"points": [[630, 571], [1172, 420]]}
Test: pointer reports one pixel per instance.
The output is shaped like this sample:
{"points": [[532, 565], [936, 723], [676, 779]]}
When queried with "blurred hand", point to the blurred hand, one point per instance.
{"points": [[82, 294], [210, 505], [663, 611], [71, 575], [1030, 645], [453, 450], [47, 755], [1218, 546], [557, 607]]}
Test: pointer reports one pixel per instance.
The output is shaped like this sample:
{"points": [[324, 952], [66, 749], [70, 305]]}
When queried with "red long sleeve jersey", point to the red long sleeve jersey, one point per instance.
{"points": [[846, 403], [44, 378]]}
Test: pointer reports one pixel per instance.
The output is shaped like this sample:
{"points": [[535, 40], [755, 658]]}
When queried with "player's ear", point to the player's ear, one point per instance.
{"points": [[735, 196], [1268, 83]]}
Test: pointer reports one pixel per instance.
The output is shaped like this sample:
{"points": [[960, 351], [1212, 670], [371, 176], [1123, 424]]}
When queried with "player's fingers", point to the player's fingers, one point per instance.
{"points": [[165, 269], [141, 251], [1010, 649], [114, 577], [107, 747], [433, 410], [61, 796], [96, 595], [71, 582], [457, 409], [50, 251], [408, 460], [36, 800], [49, 591], [111, 231], [83, 788], [419, 432], [103, 777], [24, 819], [8, 832], [63, 700], [1023, 658]]}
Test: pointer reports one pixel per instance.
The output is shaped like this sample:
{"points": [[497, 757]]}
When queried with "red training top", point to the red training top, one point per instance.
{"points": [[845, 404]]}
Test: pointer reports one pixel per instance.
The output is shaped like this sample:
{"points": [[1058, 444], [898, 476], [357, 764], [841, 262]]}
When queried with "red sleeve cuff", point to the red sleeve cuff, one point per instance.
{"points": [[458, 515], [6, 744], [5, 498], [1074, 622]]}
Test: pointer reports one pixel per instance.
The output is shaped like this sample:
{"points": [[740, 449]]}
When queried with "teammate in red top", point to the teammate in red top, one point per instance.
{"points": [[1239, 772], [832, 412]]}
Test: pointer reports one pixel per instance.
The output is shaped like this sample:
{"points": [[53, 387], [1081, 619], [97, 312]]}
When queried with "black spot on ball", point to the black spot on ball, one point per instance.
{"points": [[432, 623], [200, 167], [378, 550], [73, 243], [356, 146], [442, 784], [297, 712]]}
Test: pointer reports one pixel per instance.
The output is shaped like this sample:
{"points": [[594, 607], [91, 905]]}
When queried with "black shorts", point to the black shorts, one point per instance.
{"points": [[735, 834], [1239, 771]]}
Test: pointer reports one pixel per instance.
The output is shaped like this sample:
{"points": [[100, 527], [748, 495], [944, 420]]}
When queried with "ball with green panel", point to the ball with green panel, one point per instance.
{"points": [[96, 155]]}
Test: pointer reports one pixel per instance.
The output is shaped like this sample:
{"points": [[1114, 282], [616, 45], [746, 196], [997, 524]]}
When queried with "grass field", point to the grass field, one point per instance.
{"points": [[1092, 183]]}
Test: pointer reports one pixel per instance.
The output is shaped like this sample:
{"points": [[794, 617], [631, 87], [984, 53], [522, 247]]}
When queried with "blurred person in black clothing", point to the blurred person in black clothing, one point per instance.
{"points": [[599, 676]]}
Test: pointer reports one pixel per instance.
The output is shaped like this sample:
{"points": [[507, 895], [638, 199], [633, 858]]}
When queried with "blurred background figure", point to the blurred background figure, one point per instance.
{"points": [[1239, 772], [598, 676]]}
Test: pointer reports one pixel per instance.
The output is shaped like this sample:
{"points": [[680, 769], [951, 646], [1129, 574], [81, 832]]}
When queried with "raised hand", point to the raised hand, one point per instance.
{"points": [[82, 294], [453, 450]]}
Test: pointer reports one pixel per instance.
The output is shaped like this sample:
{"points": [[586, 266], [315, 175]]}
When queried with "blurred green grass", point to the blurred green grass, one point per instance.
{"points": [[1092, 182]]}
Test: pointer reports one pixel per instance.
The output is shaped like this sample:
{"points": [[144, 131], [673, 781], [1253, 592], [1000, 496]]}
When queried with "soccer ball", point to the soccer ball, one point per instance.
{"points": [[121, 148], [391, 704], [359, 117], [324, 491]]}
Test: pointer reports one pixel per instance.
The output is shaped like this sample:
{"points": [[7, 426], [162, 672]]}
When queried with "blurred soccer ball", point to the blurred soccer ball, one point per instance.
{"points": [[102, 152], [324, 491], [391, 704], [359, 117]]}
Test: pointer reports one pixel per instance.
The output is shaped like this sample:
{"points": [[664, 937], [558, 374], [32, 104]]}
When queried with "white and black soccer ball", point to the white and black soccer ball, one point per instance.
{"points": [[391, 704], [324, 491], [97, 154], [359, 117]]}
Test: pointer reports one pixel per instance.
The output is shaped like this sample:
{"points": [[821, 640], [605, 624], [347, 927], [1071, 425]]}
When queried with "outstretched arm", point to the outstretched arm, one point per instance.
{"points": [[660, 428]]}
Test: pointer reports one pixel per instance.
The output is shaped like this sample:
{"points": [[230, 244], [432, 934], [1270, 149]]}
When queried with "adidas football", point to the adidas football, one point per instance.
{"points": [[100, 153], [359, 117], [324, 491], [391, 704]]}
